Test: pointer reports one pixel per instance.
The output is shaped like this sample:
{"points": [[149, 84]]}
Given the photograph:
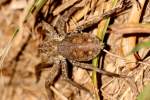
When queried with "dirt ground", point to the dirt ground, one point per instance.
{"points": [[19, 55]]}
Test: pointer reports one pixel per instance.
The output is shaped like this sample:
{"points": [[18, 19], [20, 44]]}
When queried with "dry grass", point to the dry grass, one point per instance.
{"points": [[17, 80]]}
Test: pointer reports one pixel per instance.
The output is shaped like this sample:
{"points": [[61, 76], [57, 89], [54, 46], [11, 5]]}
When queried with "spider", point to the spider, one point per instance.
{"points": [[58, 47]]}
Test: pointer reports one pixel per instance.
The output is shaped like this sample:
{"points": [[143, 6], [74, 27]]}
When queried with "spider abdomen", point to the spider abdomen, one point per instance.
{"points": [[80, 47]]}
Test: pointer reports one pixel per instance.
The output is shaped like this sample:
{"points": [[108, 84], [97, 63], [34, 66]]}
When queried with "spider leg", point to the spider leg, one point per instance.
{"points": [[61, 23], [90, 67], [64, 69], [48, 30], [50, 80], [39, 68]]}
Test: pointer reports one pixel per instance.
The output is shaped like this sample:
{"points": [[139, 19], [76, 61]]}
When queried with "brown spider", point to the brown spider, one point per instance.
{"points": [[57, 47]]}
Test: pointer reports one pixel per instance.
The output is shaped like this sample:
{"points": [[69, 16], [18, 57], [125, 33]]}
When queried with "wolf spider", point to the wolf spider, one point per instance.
{"points": [[58, 47]]}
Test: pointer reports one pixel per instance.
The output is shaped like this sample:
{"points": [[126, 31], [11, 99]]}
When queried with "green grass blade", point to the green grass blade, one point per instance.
{"points": [[101, 33], [34, 8], [6, 50], [145, 95], [39, 4], [140, 46], [8, 46]]}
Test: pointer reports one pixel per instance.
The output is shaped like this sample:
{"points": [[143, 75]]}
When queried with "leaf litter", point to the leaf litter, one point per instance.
{"points": [[18, 68]]}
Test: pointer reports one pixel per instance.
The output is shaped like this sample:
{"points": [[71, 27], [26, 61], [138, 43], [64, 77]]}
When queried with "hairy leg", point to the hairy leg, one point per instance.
{"points": [[61, 23], [39, 68], [90, 67], [64, 68], [50, 80]]}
